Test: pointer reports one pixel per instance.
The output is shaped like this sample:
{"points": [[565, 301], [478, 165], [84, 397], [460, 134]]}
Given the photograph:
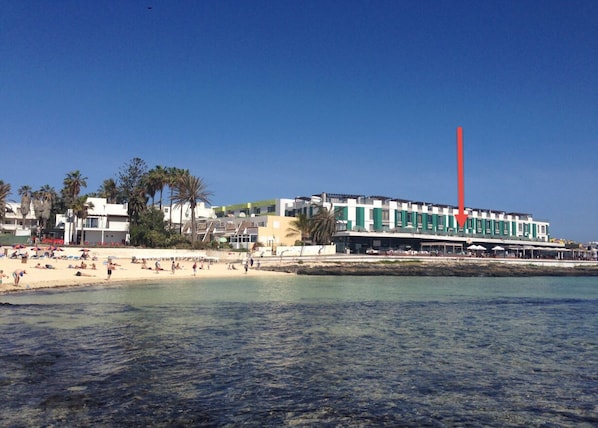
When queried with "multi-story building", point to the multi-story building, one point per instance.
{"points": [[243, 232], [257, 208], [14, 224], [381, 223], [179, 216], [105, 224]]}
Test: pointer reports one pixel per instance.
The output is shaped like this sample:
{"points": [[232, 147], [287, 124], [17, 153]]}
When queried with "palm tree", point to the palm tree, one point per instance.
{"points": [[173, 177], [73, 182], [154, 182], [38, 207], [301, 225], [81, 209], [323, 225], [4, 192], [137, 204], [48, 195], [25, 193], [108, 190], [161, 181], [190, 189]]}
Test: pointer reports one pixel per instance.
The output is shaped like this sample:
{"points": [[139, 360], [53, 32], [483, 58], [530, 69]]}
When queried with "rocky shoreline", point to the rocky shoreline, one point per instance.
{"points": [[459, 269]]}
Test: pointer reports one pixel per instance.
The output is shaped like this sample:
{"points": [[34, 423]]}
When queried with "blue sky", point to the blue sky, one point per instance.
{"points": [[270, 99]]}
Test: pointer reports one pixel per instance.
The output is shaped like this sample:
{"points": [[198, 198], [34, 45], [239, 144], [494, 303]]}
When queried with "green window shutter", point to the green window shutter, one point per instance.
{"points": [[349, 225], [377, 219], [534, 230], [360, 217], [345, 213]]}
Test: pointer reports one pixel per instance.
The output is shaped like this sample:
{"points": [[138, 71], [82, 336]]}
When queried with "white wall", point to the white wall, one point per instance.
{"points": [[297, 251]]}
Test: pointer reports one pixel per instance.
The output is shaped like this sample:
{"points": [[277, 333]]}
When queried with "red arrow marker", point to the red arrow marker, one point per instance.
{"points": [[461, 216]]}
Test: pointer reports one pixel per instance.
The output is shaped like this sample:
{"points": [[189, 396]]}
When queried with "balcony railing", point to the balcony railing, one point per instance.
{"points": [[447, 233]]}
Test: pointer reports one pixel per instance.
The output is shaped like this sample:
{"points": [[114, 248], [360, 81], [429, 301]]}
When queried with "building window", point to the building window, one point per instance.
{"points": [[398, 218], [92, 223]]}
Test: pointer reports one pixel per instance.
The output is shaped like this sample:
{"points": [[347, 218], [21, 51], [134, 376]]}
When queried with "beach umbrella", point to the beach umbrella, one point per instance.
{"points": [[85, 250], [498, 248], [472, 247], [18, 246], [481, 248], [36, 249]]}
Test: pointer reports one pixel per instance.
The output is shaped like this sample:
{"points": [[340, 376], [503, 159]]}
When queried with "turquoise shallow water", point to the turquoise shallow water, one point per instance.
{"points": [[304, 351]]}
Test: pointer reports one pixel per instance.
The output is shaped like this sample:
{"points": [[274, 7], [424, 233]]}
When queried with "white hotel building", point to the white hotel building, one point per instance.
{"points": [[382, 223]]}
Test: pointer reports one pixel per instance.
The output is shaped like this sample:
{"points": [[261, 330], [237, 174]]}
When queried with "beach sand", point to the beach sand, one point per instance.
{"points": [[127, 271], [64, 272]]}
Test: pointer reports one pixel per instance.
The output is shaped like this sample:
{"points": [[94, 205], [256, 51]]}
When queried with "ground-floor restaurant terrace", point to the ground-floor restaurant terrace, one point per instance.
{"points": [[381, 243]]}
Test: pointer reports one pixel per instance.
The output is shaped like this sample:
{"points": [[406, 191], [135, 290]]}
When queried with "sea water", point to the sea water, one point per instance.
{"points": [[303, 352]]}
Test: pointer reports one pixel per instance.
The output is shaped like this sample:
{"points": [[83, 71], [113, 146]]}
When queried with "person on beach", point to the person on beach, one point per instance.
{"points": [[157, 265], [109, 268], [194, 268], [79, 273], [173, 267], [2, 275], [17, 275]]}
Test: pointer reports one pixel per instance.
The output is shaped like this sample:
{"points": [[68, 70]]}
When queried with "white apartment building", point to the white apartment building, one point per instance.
{"points": [[14, 223], [383, 223], [105, 224]]}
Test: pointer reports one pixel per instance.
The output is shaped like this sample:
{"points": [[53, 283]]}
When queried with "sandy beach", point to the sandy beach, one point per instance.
{"points": [[64, 269]]}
